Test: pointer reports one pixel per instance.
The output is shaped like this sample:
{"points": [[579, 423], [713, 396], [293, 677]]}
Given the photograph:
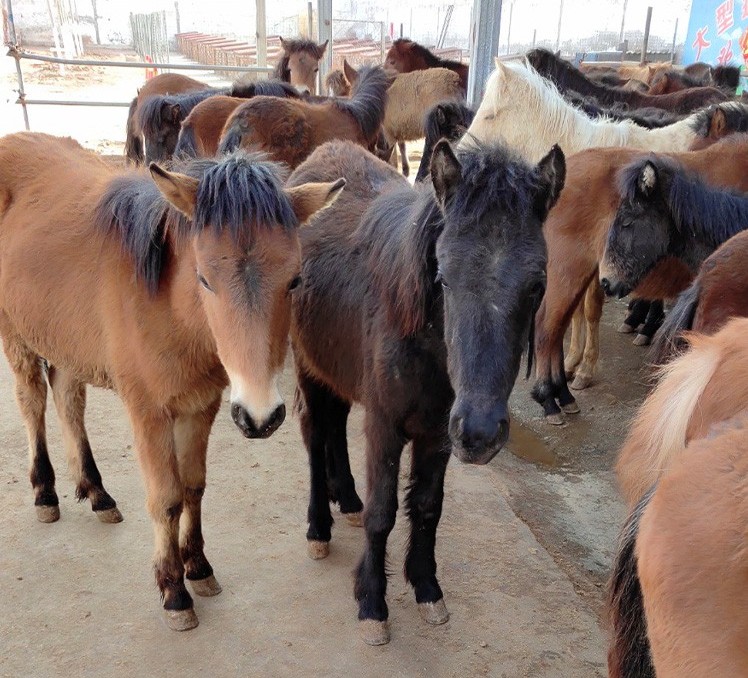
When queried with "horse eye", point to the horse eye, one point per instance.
{"points": [[538, 289], [294, 283], [439, 280], [204, 282]]}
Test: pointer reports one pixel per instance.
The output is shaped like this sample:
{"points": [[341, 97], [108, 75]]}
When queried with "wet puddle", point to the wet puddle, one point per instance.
{"points": [[528, 445]]}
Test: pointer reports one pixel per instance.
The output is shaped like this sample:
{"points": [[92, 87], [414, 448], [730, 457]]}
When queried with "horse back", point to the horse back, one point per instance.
{"points": [[207, 120], [169, 83]]}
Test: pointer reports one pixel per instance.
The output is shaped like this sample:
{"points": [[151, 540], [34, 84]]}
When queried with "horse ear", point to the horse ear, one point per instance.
{"points": [[308, 199], [446, 172], [552, 174], [646, 182], [350, 73], [179, 189], [718, 125], [321, 49], [284, 45]]}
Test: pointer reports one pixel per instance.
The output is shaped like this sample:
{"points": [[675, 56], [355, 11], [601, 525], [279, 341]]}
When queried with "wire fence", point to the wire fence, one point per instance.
{"points": [[149, 36]]}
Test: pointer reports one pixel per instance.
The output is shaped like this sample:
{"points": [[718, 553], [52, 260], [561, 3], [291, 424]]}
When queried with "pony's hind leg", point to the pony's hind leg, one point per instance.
{"points": [[31, 394], [576, 341], [655, 316], [191, 434], [404, 158], [70, 401], [594, 299], [154, 442], [637, 314], [424, 507], [384, 446], [339, 477]]}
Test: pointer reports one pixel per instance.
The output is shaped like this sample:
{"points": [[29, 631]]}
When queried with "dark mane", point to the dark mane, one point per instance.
{"points": [[403, 225], [726, 77], [240, 193], [368, 99], [267, 88], [716, 214], [290, 47], [404, 44], [736, 117], [151, 111]]}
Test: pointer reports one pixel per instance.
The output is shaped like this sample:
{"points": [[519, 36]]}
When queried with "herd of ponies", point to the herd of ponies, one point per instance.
{"points": [[187, 272]]}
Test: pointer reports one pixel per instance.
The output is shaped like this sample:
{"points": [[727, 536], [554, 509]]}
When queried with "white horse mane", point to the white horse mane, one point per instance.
{"points": [[527, 112]]}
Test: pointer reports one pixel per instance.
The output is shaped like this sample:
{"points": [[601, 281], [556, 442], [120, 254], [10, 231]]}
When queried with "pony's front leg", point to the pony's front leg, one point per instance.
{"points": [[384, 447], [191, 434], [576, 342], [154, 441], [594, 299], [424, 507]]}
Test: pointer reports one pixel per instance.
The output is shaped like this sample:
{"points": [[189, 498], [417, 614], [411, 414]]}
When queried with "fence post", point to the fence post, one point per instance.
{"points": [[176, 12], [484, 46], [310, 19], [324, 32], [19, 73], [261, 34], [675, 35], [96, 21], [646, 36]]}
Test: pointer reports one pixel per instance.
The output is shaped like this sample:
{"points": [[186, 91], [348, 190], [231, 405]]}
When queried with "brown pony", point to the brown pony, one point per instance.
{"points": [[406, 55], [166, 290], [337, 84], [576, 231], [678, 585], [719, 292], [164, 84], [202, 128], [288, 130], [299, 63]]}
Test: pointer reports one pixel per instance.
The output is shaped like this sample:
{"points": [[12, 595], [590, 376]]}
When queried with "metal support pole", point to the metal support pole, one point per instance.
{"points": [[96, 21], [178, 18], [675, 35], [484, 46], [558, 31], [534, 36], [19, 73], [509, 27], [261, 34], [646, 36], [324, 32], [623, 21], [310, 20]]}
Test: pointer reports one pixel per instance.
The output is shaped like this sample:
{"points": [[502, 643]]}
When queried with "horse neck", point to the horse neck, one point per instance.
{"points": [[675, 137]]}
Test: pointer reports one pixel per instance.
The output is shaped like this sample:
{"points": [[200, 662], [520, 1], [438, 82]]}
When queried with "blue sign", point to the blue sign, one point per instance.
{"points": [[717, 32]]}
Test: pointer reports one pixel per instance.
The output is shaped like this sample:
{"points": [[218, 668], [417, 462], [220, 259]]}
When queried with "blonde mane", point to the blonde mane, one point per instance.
{"points": [[527, 112]]}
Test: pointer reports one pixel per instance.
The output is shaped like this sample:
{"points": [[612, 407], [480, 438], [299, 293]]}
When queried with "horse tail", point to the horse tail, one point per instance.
{"points": [[658, 433], [669, 340], [629, 654], [231, 139], [133, 141], [186, 143], [368, 100]]}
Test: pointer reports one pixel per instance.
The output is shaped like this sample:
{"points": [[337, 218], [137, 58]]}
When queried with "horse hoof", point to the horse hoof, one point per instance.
{"points": [[642, 340], [355, 519], [111, 515], [625, 328], [47, 514], [205, 587], [555, 419], [180, 620], [571, 408], [374, 632], [580, 383], [434, 613], [318, 550]]}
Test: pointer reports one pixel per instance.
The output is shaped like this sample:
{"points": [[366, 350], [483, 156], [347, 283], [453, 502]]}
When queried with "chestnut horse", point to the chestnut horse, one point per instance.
{"points": [[160, 117], [566, 77], [398, 311], [289, 130], [576, 230], [299, 63], [163, 84], [406, 55], [166, 290], [719, 292], [678, 585], [666, 211]]}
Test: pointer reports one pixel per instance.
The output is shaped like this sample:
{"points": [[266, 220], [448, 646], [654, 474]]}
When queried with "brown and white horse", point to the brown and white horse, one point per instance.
{"points": [[165, 289]]}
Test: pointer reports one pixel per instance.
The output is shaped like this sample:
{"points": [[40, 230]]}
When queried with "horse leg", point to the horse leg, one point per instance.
{"points": [[314, 431], [31, 394], [404, 158], [191, 434], [594, 299], [383, 450], [576, 342], [424, 507], [154, 441], [547, 336], [69, 395], [339, 477], [638, 309], [655, 316]]}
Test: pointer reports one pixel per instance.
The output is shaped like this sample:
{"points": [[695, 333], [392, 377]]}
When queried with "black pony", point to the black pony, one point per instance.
{"points": [[666, 212], [419, 311], [448, 120]]}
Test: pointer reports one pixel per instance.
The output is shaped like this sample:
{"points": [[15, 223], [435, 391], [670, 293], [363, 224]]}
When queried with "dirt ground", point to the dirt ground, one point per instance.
{"points": [[523, 549]]}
